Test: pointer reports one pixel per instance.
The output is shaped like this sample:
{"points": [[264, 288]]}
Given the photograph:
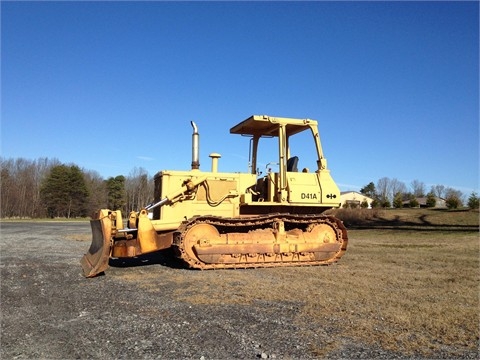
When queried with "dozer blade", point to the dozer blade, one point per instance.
{"points": [[95, 261]]}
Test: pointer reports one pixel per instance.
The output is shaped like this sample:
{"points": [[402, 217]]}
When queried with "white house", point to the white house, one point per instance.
{"points": [[354, 198]]}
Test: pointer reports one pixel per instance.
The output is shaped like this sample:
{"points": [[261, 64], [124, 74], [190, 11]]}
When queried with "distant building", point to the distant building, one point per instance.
{"points": [[422, 203], [354, 199]]}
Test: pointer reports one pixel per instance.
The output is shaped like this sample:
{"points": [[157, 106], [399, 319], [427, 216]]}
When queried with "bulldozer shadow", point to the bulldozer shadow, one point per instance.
{"points": [[162, 257]]}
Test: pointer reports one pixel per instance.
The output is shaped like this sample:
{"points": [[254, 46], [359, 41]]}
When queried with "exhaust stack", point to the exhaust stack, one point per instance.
{"points": [[195, 147]]}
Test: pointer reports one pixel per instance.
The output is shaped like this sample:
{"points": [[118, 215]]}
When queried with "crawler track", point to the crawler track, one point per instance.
{"points": [[209, 242]]}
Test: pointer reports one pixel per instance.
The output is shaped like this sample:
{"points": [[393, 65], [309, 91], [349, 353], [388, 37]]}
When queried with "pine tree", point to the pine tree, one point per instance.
{"points": [[78, 192], [116, 198], [369, 190], [431, 201], [64, 192], [398, 200], [473, 201]]}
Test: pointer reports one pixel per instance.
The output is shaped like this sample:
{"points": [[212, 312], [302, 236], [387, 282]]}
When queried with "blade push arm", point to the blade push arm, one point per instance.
{"points": [[188, 186]]}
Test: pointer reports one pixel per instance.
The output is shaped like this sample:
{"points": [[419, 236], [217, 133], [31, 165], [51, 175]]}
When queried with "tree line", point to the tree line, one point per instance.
{"points": [[389, 192], [48, 188]]}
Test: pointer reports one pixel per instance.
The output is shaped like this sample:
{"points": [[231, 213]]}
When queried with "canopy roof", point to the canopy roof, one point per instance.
{"points": [[268, 125]]}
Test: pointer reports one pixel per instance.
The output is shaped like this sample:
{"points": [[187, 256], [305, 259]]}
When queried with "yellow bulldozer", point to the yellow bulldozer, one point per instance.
{"points": [[218, 220]]}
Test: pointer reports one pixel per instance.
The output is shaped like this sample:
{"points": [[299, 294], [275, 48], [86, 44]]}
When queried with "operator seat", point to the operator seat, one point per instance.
{"points": [[292, 164]]}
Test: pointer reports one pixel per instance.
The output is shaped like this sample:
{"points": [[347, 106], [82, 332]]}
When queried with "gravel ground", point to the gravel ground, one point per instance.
{"points": [[49, 310]]}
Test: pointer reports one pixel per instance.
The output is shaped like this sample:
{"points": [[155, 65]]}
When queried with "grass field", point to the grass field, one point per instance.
{"points": [[409, 283], [412, 283], [411, 290]]}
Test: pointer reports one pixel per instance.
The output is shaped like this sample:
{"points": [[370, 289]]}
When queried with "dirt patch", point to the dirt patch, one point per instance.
{"points": [[391, 296]]}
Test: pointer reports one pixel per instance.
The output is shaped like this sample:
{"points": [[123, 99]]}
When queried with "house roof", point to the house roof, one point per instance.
{"points": [[356, 193]]}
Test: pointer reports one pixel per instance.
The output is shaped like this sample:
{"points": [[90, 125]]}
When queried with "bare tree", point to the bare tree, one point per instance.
{"points": [[387, 189], [17, 187], [7, 182], [139, 188], [383, 188], [418, 188], [439, 191], [97, 190], [397, 187], [20, 191]]}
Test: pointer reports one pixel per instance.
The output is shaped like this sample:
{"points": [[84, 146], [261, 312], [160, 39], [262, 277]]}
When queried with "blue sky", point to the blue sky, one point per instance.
{"points": [[111, 86]]}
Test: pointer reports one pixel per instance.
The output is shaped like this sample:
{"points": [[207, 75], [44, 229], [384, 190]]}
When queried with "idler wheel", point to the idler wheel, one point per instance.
{"points": [[324, 233], [200, 235]]}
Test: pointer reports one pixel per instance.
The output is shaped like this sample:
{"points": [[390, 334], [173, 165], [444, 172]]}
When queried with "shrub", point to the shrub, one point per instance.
{"points": [[386, 203], [355, 216], [453, 202], [375, 204], [398, 200], [473, 201], [414, 203], [431, 201]]}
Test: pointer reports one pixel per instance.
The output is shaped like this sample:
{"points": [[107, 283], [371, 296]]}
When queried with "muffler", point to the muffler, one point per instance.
{"points": [[195, 147]]}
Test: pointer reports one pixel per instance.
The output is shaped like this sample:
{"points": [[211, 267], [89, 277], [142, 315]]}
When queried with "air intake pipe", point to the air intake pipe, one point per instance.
{"points": [[195, 147]]}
